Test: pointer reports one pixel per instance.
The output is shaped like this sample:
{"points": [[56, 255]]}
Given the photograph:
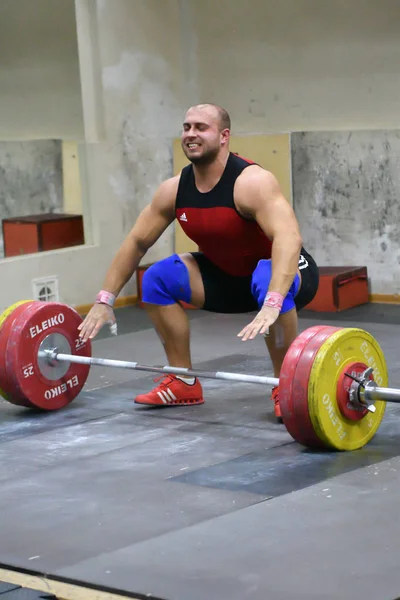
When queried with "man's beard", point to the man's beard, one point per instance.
{"points": [[205, 159]]}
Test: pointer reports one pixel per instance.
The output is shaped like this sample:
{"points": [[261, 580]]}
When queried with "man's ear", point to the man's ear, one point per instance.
{"points": [[225, 135]]}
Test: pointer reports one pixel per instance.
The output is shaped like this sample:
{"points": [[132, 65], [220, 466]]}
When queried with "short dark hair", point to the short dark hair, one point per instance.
{"points": [[224, 118]]}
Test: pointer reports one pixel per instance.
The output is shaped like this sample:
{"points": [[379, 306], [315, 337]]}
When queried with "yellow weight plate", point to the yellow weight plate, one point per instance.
{"points": [[343, 348], [3, 317], [10, 309]]}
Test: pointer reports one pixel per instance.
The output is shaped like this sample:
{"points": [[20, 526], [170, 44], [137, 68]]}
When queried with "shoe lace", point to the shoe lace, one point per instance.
{"points": [[166, 379]]}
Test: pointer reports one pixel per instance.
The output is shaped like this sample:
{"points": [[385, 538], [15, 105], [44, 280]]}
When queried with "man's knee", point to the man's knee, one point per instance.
{"points": [[260, 284], [166, 282]]}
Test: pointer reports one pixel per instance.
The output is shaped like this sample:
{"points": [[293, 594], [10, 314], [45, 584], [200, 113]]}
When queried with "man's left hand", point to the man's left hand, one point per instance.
{"points": [[260, 324]]}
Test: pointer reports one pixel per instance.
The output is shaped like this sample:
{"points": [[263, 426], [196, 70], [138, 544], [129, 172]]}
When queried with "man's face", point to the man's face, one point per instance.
{"points": [[201, 137]]}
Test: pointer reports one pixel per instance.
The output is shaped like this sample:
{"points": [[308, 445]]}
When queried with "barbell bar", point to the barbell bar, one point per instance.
{"points": [[333, 382], [366, 390], [53, 356]]}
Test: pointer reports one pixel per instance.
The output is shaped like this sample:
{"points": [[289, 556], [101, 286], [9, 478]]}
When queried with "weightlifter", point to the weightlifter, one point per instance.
{"points": [[251, 256]]}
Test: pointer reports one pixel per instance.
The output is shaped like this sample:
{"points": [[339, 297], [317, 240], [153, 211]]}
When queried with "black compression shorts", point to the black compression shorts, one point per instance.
{"points": [[226, 293]]}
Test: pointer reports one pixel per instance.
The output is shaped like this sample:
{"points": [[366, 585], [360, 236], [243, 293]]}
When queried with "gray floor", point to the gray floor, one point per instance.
{"points": [[208, 502]]}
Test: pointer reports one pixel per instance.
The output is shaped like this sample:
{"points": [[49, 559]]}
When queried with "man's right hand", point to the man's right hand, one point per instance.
{"points": [[98, 316]]}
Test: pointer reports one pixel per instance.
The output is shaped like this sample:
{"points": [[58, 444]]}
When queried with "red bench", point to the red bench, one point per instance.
{"points": [[340, 288]]}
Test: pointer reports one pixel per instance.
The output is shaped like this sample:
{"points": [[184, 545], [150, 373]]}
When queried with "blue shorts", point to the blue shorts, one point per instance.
{"points": [[167, 282]]}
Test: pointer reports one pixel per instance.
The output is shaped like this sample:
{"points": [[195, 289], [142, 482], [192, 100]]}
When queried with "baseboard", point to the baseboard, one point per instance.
{"points": [[83, 309], [384, 298]]}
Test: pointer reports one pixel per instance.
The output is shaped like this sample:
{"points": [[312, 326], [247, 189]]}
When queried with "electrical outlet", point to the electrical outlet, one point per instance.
{"points": [[46, 289]]}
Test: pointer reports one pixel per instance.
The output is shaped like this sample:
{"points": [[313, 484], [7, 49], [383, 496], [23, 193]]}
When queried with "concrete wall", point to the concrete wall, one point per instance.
{"points": [[40, 103], [142, 83], [346, 188], [31, 179], [39, 76], [309, 66], [130, 63], [293, 65], [301, 65]]}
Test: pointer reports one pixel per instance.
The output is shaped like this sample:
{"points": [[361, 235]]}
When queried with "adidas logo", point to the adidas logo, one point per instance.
{"points": [[303, 262], [183, 217], [166, 396]]}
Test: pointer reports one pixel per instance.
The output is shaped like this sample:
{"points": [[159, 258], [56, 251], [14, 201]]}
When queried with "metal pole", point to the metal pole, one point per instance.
{"points": [[375, 394], [52, 355]]}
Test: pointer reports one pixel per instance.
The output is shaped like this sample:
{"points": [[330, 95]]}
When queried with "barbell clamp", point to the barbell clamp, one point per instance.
{"points": [[357, 389], [50, 354]]}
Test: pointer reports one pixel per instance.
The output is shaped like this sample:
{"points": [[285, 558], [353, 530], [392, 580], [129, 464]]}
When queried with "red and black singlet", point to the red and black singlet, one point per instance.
{"points": [[210, 219]]}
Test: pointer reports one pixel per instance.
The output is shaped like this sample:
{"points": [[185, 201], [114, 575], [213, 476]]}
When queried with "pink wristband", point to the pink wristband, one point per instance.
{"points": [[274, 299], [104, 297]]}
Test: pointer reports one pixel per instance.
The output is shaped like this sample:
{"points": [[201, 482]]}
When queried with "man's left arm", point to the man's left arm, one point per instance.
{"points": [[259, 196]]}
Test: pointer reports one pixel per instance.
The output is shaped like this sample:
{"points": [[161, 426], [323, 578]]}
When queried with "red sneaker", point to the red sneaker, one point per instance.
{"points": [[172, 392], [275, 400]]}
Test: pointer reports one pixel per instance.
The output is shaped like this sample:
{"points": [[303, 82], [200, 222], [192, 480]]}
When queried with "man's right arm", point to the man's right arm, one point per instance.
{"points": [[151, 223]]}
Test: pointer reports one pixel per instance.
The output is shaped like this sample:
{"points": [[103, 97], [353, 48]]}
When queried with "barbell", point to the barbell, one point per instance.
{"points": [[332, 386]]}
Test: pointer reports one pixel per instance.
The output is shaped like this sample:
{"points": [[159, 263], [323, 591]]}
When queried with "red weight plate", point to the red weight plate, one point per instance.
{"points": [[286, 378], [6, 383], [309, 437], [291, 395], [350, 411], [47, 388]]}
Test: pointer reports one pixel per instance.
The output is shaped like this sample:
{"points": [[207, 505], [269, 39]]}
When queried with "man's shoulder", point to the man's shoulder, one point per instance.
{"points": [[255, 175], [170, 185], [165, 196], [253, 186]]}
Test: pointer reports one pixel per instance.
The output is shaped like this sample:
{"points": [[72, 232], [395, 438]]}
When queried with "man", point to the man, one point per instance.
{"points": [[251, 256]]}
